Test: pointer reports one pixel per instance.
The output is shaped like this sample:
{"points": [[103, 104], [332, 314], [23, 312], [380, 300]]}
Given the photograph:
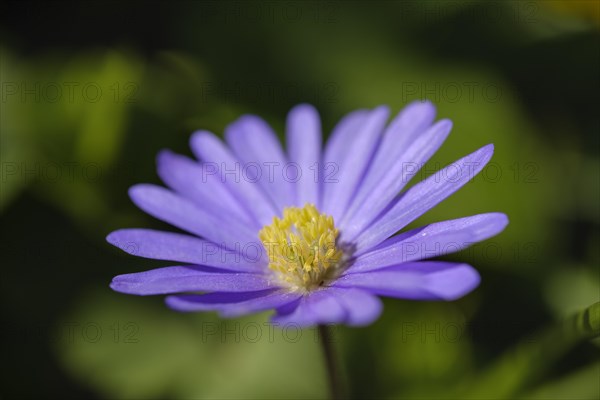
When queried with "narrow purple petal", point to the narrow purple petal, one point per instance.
{"points": [[320, 307], [264, 162], [187, 279], [431, 241], [303, 133], [362, 308], [383, 188], [212, 301], [172, 208], [422, 197], [182, 248], [424, 280], [231, 305], [339, 141], [409, 124], [199, 184], [352, 164], [268, 302], [208, 148], [404, 129]]}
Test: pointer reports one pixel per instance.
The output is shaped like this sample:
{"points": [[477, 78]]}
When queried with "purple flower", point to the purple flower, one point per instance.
{"points": [[307, 232]]}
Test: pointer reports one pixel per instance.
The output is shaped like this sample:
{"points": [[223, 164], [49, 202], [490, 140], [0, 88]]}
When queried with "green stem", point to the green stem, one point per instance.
{"points": [[333, 371]]}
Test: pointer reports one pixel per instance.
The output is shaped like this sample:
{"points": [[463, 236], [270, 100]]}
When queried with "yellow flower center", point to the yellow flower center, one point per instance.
{"points": [[302, 247]]}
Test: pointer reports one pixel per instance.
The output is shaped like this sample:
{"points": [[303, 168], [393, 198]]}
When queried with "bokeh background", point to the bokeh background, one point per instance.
{"points": [[91, 91]]}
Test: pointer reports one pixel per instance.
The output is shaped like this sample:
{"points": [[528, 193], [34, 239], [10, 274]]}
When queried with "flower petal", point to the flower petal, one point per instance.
{"points": [[352, 163], [264, 162], [208, 148], [177, 247], [431, 241], [303, 133], [409, 124], [421, 280], [339, 142], [422, 197], [187, 279], [404, 129], [200, 184], [213, 301], [172, 208], [362, 308], [314, 308], [231, 305], [388, 184]]}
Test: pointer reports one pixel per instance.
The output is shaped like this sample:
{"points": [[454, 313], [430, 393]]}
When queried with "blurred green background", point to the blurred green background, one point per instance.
{"points": [[91, 91]]}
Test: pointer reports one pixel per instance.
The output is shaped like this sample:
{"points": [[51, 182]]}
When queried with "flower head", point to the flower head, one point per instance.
{"points": [[302, 248], [309, 233]]}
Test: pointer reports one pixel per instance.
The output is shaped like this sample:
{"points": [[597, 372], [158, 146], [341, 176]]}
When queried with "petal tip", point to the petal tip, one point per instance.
{"points": [[469, 281], [121, 285], [382, 109], [138, 191], [503, 221], [112, 238], [303, 108], [164, 156], [445, 124], [422, 104], [199, 137], [489, 148]]}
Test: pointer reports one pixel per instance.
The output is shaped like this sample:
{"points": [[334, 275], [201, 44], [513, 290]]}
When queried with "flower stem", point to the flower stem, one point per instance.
{"points": [[333, 371]]}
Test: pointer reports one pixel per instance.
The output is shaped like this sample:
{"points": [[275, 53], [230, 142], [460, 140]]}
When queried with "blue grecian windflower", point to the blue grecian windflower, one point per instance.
{"points": [[308, 233]]}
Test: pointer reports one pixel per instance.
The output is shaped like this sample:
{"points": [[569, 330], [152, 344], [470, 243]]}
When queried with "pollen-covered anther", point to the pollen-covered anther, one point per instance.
{"points": [[302, 247]]}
